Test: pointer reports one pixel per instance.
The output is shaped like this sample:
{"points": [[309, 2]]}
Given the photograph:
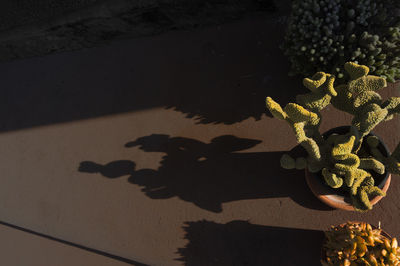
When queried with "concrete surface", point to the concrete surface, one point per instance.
{"points": [[159, 150], [18, 248]]}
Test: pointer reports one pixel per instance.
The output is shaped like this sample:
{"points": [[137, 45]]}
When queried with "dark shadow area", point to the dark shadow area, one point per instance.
{"points": [[36, 28], [215, 75], [240, 243], [111, 170], [231, 85], [235, 99], [210, 174]]}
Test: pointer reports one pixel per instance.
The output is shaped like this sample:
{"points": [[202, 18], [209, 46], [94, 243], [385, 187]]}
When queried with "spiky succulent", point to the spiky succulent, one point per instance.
{"points": [[359, 244], [345, 161], [323, 35]]}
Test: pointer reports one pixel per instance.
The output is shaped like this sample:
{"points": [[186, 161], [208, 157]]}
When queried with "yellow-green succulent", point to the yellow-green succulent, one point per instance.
{"points": [[359, 244], [344, 161]]}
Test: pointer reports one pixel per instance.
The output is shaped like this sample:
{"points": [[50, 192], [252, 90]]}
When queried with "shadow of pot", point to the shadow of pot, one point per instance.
{"points": [[336, 198]]}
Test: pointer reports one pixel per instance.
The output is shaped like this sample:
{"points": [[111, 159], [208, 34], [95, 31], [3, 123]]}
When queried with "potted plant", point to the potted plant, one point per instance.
{"points": [[354, 163], [356, 243]]}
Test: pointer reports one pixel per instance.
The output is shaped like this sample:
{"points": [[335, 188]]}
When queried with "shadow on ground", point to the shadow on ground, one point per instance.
{"points": [[210, 174], [242, 243], [232, 99], [215, 75]]}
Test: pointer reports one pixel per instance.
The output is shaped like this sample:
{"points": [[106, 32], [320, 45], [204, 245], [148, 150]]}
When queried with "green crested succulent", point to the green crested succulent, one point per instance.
{"points": [[346, 161], [359, 244], [323, 35]]}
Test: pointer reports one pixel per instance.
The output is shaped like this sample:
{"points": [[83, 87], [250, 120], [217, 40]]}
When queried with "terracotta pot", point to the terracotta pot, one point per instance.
{"points": [[332, 197]]}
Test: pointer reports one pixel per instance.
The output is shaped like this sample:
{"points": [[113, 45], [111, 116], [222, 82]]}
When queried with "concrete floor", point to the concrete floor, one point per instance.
{"points": [[158, 150], [18, 248]]}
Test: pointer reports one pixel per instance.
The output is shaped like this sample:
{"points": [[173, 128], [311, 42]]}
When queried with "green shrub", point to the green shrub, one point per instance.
{"points": [[323, 35]]}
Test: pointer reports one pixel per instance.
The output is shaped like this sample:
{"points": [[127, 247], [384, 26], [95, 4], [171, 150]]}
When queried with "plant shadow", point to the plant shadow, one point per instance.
{"points": [[224, 94], [210, 174], [242, 243]]}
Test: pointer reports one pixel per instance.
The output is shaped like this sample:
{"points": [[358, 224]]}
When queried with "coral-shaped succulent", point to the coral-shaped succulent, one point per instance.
{"points": [[359, 244], [348, 161], [323, 35]]}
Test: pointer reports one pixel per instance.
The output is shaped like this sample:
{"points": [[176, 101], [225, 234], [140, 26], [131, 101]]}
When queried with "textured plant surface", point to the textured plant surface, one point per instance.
{"points": [[345, 161], [359, 244], [323, 35]]}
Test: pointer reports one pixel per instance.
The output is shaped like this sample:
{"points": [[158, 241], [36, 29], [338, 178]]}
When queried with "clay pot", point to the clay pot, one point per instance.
{"points": [[335, 198]]}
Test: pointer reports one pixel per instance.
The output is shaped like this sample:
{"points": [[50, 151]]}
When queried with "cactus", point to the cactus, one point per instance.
{"points": [[359, 244], [346, 161], [323, 35]]}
